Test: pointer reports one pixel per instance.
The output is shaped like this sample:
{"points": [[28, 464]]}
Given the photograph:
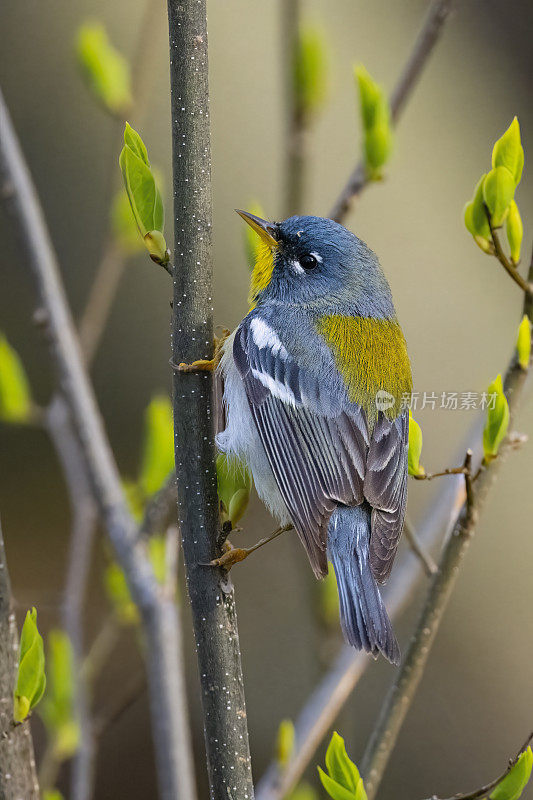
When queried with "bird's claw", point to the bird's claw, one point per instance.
{"points": [[206, 364], [231, 557]]}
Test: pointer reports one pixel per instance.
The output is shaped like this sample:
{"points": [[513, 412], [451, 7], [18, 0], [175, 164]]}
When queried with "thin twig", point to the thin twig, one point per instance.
{"points": [[418, 548], [158, 614], [511, 270], [295, 139], [159, 508], [418, 58], [119, 704], [210, 590], [428, 476], [485, 790]]}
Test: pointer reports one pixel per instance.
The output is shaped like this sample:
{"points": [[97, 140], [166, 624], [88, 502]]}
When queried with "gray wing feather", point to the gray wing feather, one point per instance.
{"points": [[385, 488], [321, 454]]}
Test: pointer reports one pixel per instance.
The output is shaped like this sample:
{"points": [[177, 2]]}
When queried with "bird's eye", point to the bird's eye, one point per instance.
{"points": [[308, 261]]}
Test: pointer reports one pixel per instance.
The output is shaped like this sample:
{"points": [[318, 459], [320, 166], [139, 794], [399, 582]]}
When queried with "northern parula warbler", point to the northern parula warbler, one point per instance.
{"points": [[315, 378]]}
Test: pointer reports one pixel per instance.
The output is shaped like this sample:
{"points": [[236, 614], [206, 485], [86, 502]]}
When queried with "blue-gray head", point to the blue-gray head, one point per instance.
{"points": [[315, 260]]}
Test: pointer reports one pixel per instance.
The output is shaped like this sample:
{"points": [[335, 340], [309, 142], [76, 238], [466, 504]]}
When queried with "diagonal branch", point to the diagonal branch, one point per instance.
{"points": [[423, 47], [485, 790], [158, 613], [398, 701]]}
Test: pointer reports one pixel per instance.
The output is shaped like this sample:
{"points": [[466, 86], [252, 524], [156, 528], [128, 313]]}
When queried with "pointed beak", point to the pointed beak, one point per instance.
{"points": [[265, 230]]}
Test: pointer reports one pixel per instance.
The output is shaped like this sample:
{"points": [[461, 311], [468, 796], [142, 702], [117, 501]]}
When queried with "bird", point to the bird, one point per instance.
{"points": [[316, 386]]}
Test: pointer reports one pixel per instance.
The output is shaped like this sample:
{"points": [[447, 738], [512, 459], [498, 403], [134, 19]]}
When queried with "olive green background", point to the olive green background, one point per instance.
{"points": [[458, 309]]}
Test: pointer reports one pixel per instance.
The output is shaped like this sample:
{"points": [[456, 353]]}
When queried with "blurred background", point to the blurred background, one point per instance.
{"points": [[458, 309]]}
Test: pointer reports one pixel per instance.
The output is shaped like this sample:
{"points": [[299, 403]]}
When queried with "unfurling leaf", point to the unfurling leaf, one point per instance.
{"points": [[523, 342], [310, 70], [15, 398], [119, 595], [104, 68], [124, 226], [143, 194], [58, 709], [415, 448], [515, 231], [498, 191], [516, 780], [375, 115], [303, 792], [508, 151], [31, 679], [52, 794], [342, 780], [234, 484], [158, 450], [475, 218], [116, 586], [497, 421], [285, 742]]}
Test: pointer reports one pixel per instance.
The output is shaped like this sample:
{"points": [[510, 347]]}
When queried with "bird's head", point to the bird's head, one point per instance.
{"points": [[312, 260]]}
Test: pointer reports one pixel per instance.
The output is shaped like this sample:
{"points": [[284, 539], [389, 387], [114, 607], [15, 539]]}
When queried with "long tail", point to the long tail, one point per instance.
{"points": [[364, 620]]}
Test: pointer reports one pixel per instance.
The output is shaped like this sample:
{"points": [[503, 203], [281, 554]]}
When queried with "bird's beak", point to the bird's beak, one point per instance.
{"points": [[265, 230]]}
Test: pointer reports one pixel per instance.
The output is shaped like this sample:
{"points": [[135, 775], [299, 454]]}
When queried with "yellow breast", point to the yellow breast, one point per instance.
{"points": [[371, 355]]}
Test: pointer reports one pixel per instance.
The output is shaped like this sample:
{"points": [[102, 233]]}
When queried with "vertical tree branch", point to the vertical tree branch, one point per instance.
{"points": [[426, 40], [295, 139], [158, 611], [210, 589], [18, 778]]}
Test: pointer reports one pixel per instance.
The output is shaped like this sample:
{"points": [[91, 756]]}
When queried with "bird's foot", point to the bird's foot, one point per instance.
{"points": [[206, 364], [233, 555]]}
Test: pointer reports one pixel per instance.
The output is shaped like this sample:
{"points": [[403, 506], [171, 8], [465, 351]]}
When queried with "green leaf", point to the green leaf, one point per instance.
{"points": [[285, 742], [415, 448], [104, 68], [497, 421], [157, 553], [31, 679], [523, 342], [144, 196], [133, 140], [334, 789], [158, 449], [515, 231], [123, 224], [508, 151], [340, 767], [375, 116], [119, 595], [303, 792], [234, 484], [52, 794], [58, 709], [498, 191], [476, 218], [514, 783], [15, 397], [310, 68]]}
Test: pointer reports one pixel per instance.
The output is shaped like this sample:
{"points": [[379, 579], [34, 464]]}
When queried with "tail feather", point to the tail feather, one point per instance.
{"points": [[364, 619]]}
